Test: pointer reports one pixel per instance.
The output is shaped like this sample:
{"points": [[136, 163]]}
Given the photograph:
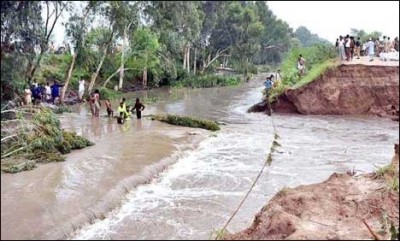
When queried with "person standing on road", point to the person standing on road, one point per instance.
{"points": [[371, 49], [341, 48], [358, 47]]}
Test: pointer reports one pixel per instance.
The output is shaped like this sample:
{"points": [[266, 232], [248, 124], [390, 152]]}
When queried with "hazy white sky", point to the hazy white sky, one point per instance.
{"points": [[327, 19], [331, 19]]}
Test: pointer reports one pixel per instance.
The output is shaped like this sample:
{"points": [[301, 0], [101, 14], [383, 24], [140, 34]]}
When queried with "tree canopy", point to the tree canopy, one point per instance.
{"points": [[153, 42]]}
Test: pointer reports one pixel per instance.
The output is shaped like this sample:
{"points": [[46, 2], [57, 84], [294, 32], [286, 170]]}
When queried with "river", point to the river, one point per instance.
{"points": [[151, 180]]}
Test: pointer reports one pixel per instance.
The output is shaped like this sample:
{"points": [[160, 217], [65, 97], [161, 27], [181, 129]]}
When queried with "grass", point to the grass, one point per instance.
{"points": [[61, 109], [391, 174], [283, 192], [296, 82], [218, 234], [187, 121], [150, 100], [109, 94], [388, 169], [206, 81]]}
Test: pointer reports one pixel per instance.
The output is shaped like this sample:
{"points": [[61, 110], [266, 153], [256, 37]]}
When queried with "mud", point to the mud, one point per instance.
{"points": [[346, 89], [333, 209]]}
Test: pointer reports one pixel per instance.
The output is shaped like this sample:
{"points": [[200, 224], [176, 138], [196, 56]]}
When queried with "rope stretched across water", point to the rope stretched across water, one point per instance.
{"points": [[267, 162]]}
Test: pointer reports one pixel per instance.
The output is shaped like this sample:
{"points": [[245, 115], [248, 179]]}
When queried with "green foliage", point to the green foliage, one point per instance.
{"points": [[109, 94], [319, 58], [388, 169], [187, 121], [41, 140], [61, 109], [364, 36], [308, 39], [206, 81]]}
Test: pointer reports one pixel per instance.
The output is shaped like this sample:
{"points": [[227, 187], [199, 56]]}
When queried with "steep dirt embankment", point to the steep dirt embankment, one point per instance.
{"points": [[346, 89], [333, 209]]}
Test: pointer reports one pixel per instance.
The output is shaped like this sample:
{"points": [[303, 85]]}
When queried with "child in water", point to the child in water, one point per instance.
{"points": [[110, 111], [123, 115]]}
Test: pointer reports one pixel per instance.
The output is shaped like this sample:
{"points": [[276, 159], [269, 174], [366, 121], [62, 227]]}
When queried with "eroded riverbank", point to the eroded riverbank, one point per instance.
{"points": [[196, 195]]}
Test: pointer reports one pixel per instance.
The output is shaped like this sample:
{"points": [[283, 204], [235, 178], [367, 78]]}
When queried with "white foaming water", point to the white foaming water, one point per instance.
{"points": [[218, 167], [222, 167], [197, 194]]}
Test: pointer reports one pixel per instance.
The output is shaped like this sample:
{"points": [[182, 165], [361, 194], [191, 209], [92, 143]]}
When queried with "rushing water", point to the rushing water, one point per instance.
{"points": [[150, 180]]}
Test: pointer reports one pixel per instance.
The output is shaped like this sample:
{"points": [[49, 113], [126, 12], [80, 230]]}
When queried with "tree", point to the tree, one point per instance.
{"points": [[20, 34], [178, 24], [144, 47], [364, 36], [238, 29], [54, 9], [100, 39], [276, 37], [76, 29], [307, 38], [126, 19]]}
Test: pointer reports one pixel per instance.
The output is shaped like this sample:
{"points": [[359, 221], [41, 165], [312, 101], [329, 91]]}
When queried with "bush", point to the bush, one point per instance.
{"points": [[319, 58], [205, 81], [187, 121], [39, 139], [109, 94]]}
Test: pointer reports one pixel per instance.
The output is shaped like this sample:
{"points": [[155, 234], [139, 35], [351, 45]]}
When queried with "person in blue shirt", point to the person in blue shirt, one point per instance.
{"points": [[55, 91], [268, 84]]}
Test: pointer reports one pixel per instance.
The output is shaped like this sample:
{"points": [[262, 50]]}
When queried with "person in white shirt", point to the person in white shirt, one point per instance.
{"points": [[347, 47], [341, 48], [81, 88], [48, 92], [371, 49]]}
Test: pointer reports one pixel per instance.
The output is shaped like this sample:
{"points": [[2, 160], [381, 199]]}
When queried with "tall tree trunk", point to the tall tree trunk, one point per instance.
{"points": [[94, 76], [121, 73], [36, 65], [184, 57], [109, 78], [64, 89], [188, 58], [145, 76], [194, 62]]}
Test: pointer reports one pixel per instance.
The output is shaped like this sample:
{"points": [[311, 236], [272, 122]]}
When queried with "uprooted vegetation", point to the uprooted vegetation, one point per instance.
{"points": [[33, 135], [187, 121]]}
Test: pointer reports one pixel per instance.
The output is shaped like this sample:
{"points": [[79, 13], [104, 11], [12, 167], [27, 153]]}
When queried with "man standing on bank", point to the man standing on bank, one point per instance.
{"points": [[139, 107]]}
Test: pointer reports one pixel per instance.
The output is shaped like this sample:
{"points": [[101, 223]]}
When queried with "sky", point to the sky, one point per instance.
{"points": [[334, 18], [327, 19]]}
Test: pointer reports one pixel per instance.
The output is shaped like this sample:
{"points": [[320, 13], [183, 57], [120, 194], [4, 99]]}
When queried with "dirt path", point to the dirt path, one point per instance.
{"points": [[333, 209], [364, 60]]}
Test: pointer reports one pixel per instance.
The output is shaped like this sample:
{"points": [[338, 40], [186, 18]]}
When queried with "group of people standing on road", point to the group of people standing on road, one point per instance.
{"points": [[348, 46]]}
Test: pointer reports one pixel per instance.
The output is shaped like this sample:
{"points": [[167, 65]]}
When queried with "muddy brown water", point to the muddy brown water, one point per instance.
{"points": [[151, 180]]}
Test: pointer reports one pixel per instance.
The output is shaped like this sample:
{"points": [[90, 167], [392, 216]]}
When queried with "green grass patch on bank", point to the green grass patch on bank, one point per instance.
{"points": [[206, 81], [187, 121], [109, 94], [319, 58]]}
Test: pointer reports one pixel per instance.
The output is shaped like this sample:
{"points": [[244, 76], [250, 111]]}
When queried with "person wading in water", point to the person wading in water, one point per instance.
{"points": [[139, 107]]}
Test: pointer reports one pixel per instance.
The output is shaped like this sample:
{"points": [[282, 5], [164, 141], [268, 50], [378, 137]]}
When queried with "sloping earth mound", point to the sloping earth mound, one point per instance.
{"points": [[333, 209], [346, 89]]}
